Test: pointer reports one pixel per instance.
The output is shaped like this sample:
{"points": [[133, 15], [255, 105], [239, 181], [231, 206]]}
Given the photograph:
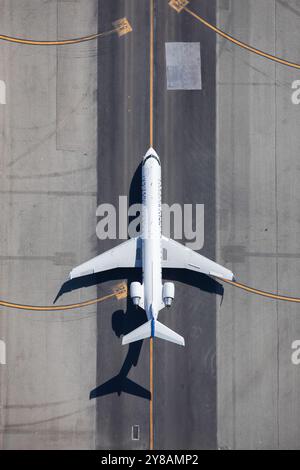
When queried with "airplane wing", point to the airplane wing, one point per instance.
{"points": [[126, 255], [179, 256]]}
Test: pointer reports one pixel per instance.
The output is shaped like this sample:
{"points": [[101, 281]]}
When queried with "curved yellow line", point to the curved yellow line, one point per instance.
{"points": [[242, 44], [56, 43], [262, 293], [55, 308]]}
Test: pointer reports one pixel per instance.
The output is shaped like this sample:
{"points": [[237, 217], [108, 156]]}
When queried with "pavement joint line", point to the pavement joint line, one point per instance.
{"points": [[239, 43], [121, 27]]}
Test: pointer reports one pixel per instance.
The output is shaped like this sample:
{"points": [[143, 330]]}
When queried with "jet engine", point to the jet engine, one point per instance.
{"points": [[136, 292], [168, 293]]}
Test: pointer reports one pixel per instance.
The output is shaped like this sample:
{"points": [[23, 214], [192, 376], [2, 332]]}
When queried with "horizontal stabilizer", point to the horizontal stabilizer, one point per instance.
{"points": [[163, 332], [153, 328], [142, 332]]}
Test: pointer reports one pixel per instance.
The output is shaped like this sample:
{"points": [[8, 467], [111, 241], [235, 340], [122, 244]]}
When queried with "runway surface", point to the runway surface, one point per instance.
{"points": [[74, 127], [184, 137]]}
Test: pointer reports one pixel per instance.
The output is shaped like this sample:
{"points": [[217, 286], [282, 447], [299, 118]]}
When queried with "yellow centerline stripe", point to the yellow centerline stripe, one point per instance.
{"points": [[53, 308], [151, 117], [32, 42], [151, 446], [262, 293], [240, 43], [151, 71]]}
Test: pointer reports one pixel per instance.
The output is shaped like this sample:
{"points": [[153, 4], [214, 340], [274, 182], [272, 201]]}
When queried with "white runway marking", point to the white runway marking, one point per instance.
{"points": [[296, 353], [2, 353], [2, 92], [183, 63], [296, 94], [135, 432]]}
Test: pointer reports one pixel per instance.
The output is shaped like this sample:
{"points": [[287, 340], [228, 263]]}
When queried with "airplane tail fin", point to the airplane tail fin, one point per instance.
{"points": [[153, 329]]}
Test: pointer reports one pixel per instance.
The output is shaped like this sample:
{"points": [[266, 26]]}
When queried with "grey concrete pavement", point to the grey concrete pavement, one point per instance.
{"points": [[258, 223], [48, 202], [73, 130]]}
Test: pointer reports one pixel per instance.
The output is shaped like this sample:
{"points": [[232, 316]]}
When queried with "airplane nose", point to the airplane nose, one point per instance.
{"points": [[151, 153]]}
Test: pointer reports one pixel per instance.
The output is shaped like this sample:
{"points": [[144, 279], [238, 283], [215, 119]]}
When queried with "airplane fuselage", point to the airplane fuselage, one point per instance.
{"points": [[151, 234]]}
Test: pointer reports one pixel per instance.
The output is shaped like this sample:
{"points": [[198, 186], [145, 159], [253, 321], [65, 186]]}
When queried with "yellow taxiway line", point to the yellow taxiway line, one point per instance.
{"points": [[240, 43], [121, 27], [262, 293], [120, 292]]}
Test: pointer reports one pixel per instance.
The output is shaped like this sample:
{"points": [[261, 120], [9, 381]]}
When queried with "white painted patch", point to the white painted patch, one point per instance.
{"points": [[296, 354], [296, 94], [183, 64], [135, 432], [2, 353], [2, 92]]}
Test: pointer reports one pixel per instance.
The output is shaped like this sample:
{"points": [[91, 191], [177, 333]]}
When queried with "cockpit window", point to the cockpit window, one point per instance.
{"points": [[151, 156]]}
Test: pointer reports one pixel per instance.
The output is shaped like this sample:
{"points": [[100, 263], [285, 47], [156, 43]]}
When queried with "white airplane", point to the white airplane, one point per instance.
{"points": [[152, 252]]}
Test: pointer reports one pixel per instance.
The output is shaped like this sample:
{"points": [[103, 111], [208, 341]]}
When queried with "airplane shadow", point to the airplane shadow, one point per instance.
{"points": [[118, 274], [191, 278], [123, 323], [194, 279]]}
